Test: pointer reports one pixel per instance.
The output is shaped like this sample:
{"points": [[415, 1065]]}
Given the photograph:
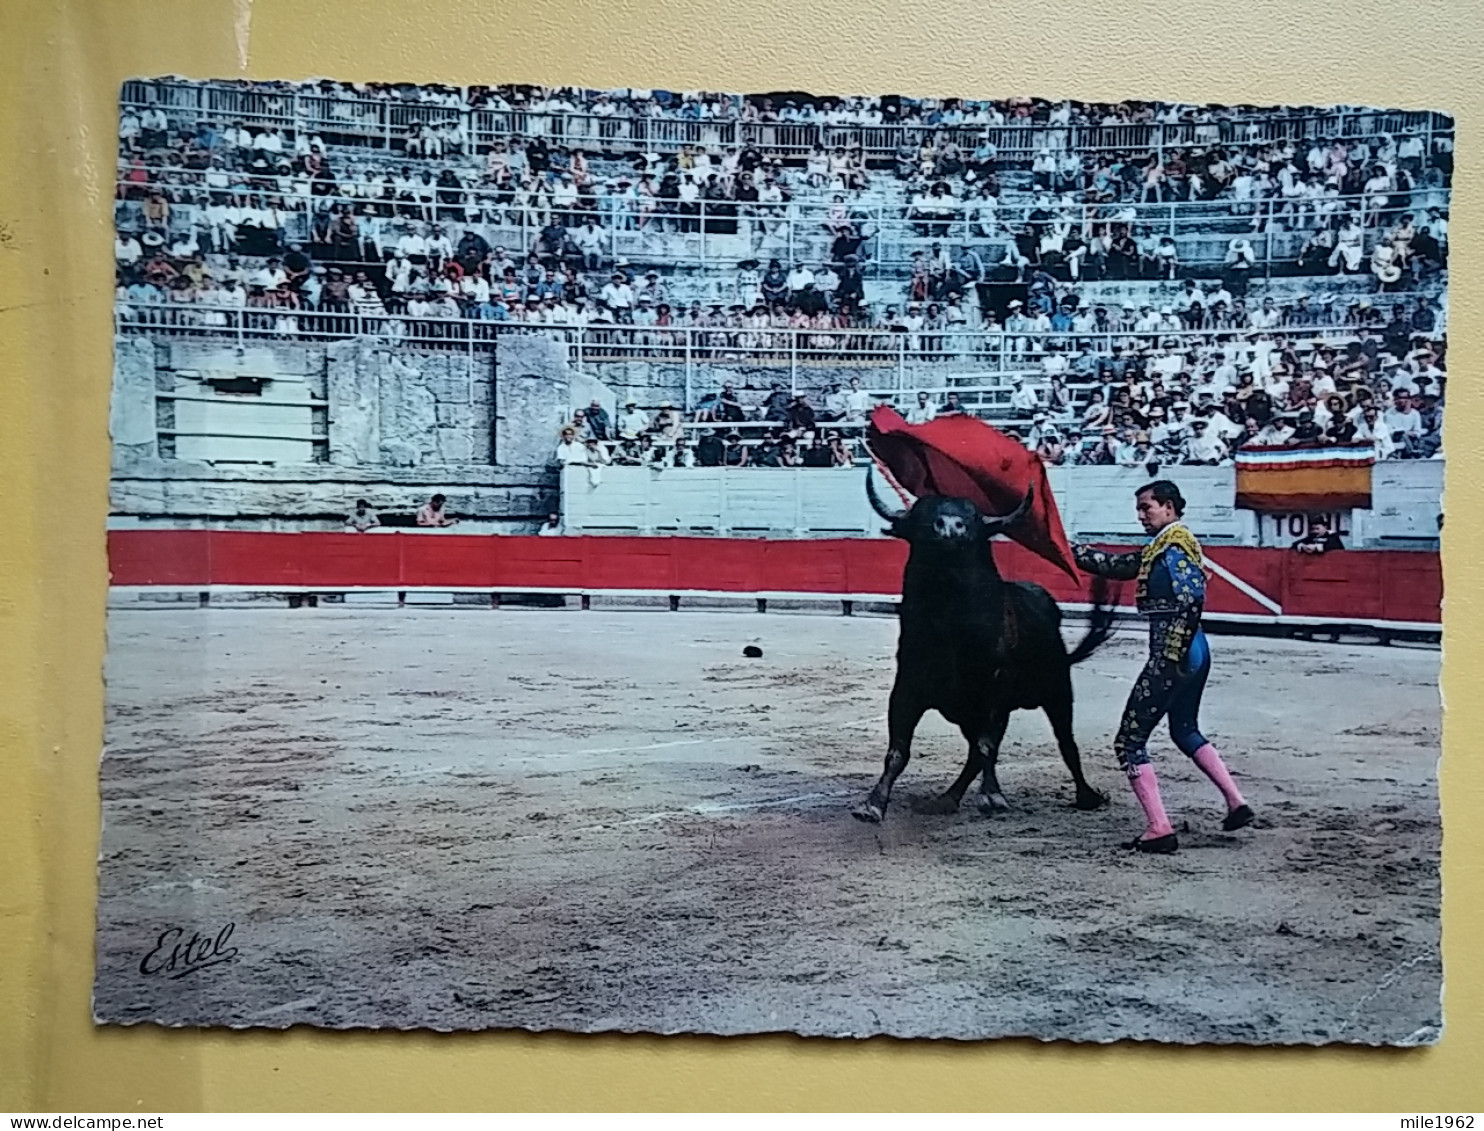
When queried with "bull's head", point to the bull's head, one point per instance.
{"points": [[942, 521]]}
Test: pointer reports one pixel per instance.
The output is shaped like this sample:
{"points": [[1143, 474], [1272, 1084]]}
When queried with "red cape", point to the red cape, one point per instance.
{"points": [[963, 457]]}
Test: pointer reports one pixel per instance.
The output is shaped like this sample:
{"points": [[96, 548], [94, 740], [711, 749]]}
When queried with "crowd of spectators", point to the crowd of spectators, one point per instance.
{"points": [[783, 430], [1147, 407], [1366, 203], [1385, 387], [260, 218], [544, 106]]}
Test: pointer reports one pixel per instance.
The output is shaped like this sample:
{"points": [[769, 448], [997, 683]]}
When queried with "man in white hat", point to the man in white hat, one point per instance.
{"points": [[1037, 431], [1023, 401], [1016, 324], [632, 421]]}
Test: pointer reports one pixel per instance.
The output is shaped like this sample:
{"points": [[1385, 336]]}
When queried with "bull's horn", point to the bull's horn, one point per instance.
{"points": [[998, 523], [877, 505]]}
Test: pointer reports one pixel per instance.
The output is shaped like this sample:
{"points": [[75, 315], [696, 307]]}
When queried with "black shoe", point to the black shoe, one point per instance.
{"points": [[1239, 818], [1159, 845]]}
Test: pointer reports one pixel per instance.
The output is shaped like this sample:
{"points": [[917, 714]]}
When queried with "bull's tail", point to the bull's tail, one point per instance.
{"points": [[1100, 623]]}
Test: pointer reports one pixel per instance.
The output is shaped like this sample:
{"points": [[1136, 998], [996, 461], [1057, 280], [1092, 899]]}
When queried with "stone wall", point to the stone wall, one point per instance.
{"points": [[400, 426]]}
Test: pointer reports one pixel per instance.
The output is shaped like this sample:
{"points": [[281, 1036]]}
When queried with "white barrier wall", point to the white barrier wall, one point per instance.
{"points": [[831, 502]]}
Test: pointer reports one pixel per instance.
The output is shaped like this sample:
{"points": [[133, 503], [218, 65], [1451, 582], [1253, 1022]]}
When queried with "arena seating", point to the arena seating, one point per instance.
{"points": [[996, 251]]}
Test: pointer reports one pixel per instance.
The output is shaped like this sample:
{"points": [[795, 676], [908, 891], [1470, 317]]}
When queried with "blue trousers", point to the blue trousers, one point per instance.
{"points": [[1165, 688]]}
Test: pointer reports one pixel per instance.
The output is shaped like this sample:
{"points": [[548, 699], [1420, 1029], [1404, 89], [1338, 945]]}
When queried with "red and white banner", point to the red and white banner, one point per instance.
{"points": [[1330, 478]]}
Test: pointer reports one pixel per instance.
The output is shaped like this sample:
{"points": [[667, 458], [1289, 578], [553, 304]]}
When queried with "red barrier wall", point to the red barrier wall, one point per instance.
{"points": [[1354, 585]]}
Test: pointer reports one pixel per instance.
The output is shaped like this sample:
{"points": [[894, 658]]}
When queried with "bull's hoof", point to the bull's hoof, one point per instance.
{"points": [[1090, 799], [992, 803], [869, 812], [940, 806]]}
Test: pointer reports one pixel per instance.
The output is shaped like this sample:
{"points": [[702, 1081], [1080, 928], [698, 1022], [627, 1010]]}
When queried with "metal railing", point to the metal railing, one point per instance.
{"points": [[708, 233], [384, 122], [973, 360]]}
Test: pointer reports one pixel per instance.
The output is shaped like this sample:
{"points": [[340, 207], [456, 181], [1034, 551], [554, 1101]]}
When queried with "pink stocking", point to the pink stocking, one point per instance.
{"points": [[1146, 789], [1214, 768]]}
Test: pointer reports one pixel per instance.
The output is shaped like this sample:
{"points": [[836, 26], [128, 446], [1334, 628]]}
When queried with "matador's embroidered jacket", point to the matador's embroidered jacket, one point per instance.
{"points": [[1171, 587]]}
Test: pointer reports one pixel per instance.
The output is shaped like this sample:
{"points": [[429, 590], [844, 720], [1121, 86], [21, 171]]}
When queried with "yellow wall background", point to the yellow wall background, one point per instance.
{"points": [[60, 65]]}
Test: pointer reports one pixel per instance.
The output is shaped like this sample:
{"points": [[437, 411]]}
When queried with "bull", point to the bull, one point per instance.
{"points": [[975, 648]]}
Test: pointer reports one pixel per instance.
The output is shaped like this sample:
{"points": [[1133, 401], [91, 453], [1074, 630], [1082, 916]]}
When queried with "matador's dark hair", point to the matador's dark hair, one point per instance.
{"points": [[1165, 493]]}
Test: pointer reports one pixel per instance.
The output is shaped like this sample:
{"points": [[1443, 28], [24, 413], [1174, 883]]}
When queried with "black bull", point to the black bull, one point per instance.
{"points": [[975, 648]]}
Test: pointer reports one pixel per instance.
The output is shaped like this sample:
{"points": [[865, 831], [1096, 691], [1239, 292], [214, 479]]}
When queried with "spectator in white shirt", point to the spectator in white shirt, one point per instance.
{"points": [[618, 297], [923, 411], [569, 449], [1201, 447], [1023, 401], [1370, 428], [475, 289], [126, 249], [1267, 317], [270, 276], [1225, 372], [439, 249], [857, 402], [1402, 422], [414, 246], [632, 421], [1274, 434]]}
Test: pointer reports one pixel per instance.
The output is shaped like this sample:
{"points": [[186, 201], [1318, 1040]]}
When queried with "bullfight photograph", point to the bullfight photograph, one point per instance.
{"points": [[691, 562]]}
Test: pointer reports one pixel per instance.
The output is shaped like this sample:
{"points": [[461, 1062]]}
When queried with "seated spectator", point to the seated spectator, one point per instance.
{"points": [[633, 421], [1370, 429], [1201, 446], [817, 454], [667, 424], [363, 518], [710, 451], [735, 455], [684, 454], [1306, 431], [1404, 424], [570, 448], [1430, 410], [923, 411], [431, 513], [1107, 450], [1138, 453], [552, 526], [1274, 434], [1052, 451], [594, 457], [857, 403], [800, 414], [840, 454], [1319, 540], [1023, 401]]}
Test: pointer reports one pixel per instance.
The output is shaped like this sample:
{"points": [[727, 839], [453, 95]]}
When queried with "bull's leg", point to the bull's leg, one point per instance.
{"points": [[991, 799], [1059, 712], [902, 716], [947, 801], [981, 737]]}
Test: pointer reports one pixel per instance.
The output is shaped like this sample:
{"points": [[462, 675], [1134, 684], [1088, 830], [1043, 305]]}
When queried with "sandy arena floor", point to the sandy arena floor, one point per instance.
{"points": [[461, 818]]}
